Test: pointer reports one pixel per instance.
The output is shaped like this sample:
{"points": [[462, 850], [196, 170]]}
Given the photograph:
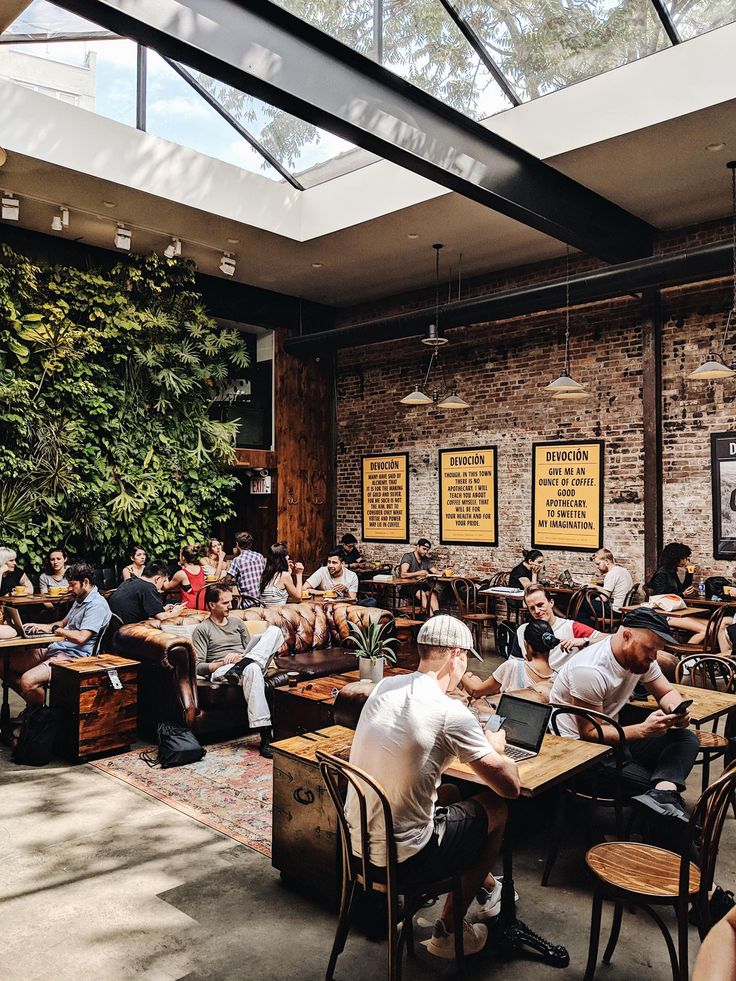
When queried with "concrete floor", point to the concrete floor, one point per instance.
{"points": [[100, 881]]}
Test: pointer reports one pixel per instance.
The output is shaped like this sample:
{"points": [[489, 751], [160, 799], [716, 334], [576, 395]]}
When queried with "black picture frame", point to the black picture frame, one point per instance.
{"points": [[569, 442], [723, 494], [469, 449], [382, 456]]}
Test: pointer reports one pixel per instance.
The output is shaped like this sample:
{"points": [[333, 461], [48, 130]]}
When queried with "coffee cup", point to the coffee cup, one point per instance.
{"points": [[728, 591], [691, 569], [330, 594], [57, 590], [293, 678], [19, 590], [448, 571]]}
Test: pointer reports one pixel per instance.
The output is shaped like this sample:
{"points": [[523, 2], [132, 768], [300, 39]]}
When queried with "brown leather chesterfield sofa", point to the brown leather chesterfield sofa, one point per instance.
{"points": [[168, 686]]}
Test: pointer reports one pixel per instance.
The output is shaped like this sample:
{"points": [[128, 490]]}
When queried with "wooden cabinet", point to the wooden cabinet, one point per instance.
{"points": [[95, 717]]}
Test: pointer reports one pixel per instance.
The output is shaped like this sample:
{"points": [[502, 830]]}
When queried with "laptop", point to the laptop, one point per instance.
{"points": [[525, 725], [20, 628]]}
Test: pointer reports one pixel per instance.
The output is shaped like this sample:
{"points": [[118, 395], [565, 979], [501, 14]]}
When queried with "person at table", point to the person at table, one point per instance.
{"points": [[227, 655], [335, 577], [528, 570], [139, 598], [215, 562], [247, 568], [673, 577], [418, 565], [348, 551], [137, 555], [190, 578], [76, 633], [516, 673], [11, 576], [617, 583], [572, 636], [282, 578], [54, 573], [661, 750], [408, 734]]}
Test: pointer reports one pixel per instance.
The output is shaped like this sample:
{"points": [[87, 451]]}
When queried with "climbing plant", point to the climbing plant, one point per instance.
{"points": [[106, 383]]}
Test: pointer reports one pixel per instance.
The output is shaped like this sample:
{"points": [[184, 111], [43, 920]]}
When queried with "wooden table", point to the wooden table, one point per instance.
{"points": [[707, 705], [688, 611], [16, 645], [34, 599]]}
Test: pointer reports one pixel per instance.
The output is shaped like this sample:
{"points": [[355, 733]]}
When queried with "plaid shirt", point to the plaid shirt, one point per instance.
{"points": [[248, 568]]}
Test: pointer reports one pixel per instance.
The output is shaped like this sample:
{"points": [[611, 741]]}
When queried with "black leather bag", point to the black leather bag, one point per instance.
{"points": [[37, 736], [714, 587], [177, 746]]}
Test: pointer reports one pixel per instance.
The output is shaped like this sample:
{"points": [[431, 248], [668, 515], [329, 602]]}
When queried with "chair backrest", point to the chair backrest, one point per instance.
{"points": [[707, 671], [465, 592], [500, 579], [710, 641], [597, 720], [633, 595], [576, 601], [602, 613], [103, 641], [334, 770], [505, 639], [705, 828]]}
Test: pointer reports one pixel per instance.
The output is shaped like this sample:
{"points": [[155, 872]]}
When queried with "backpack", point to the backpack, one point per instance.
{"points": [[37, 737], [177, 746], [714, 587]]}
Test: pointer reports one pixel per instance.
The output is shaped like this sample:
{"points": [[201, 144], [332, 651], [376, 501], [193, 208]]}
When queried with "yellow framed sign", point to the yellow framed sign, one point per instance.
{"points": [[567, 495], [468, 496], [385, 497]]}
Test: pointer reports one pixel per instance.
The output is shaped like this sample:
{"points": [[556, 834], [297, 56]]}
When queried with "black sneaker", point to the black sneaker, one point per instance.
{"points": [[666, 803]]}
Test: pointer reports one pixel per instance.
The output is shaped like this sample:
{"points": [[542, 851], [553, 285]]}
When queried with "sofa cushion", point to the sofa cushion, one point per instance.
{"points": [[312, 664]]}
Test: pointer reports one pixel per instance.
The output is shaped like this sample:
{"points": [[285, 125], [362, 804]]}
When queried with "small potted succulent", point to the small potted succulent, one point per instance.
{"points": [[372, 646]]}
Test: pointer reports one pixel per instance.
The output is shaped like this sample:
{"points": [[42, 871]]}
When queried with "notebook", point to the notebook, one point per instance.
{"points": [[525, 725]]}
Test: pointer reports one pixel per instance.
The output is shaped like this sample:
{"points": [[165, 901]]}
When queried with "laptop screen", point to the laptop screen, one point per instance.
{"points": [[526, 721]]}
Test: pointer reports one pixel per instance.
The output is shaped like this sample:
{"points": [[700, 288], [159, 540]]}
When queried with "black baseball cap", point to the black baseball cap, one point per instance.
{"points": [[645, 618]]}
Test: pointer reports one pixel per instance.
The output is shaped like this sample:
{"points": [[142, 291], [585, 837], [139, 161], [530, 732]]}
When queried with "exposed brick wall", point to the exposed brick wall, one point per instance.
{"points": [[500, 369]]}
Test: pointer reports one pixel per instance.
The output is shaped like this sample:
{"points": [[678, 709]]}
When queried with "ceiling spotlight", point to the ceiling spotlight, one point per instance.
{"points": [[316, 265], [412, 235], [233, 241], [173, 248], [715, 147], [227, 264], [61, 221], [109, 204], [10, 207], [122, 238]]}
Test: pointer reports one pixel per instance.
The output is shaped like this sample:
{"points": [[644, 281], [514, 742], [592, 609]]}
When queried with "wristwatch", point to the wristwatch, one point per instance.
{"points": [[586, 641]]}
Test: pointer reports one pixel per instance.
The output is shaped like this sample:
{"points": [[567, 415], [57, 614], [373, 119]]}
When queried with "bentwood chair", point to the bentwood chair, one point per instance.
{"points": [[361, 873], [627, 873], [465, 592], [709, 645], [717, 674], [590, 789], [594, 607]]}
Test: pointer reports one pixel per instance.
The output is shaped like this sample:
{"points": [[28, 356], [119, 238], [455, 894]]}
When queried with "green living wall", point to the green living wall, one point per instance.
{"points": [[106, 383]]}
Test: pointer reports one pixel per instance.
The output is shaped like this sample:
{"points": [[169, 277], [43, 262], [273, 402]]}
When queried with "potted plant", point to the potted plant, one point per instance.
{"points": [[372, 645]]}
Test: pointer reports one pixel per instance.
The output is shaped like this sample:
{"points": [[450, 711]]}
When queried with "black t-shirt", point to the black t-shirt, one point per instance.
{"points": [[135, 600], [10, 581], [516, 573], [348, 557], [667, 581]]}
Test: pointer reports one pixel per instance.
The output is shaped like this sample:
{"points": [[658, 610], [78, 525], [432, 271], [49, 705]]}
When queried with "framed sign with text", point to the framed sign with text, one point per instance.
{"points": [[723, 473], [385, 497], [468, 496], [567, 495]]}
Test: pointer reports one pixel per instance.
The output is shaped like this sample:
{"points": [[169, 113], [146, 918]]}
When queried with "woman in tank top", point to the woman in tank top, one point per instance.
{"points": [[516, 673], [282, 578], [190, 578], [136, 567]]}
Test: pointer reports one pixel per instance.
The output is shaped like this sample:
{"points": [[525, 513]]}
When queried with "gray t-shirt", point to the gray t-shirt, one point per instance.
{"points": [[408, 733], [212, 641], [416, 565], [46, 581]]}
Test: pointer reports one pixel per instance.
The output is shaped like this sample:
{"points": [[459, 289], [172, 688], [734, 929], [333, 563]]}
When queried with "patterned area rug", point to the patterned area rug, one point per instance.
{"points": [[230, 790]]}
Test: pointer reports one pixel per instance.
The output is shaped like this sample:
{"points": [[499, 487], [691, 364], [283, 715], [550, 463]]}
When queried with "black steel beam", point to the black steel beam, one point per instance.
{"points": [[260, 48], [666, 18], [658, 272], [232, 121], [476, 43]]}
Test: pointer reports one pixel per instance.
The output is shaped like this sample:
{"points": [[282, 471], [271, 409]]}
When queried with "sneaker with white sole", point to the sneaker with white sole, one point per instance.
{"points": [[442, 943], [487, 903]]}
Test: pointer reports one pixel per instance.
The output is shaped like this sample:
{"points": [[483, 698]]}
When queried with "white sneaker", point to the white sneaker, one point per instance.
{"points": [[487, 903], [442, 943]]}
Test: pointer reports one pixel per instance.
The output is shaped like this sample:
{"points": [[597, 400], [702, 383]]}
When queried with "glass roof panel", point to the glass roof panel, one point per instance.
{"points": [[41, 17], [349, 21], [176, 112], [545, 45], [693, 17]]}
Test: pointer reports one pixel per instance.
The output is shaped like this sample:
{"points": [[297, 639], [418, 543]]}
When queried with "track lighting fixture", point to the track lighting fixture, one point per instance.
{"points": [[122, 238]]}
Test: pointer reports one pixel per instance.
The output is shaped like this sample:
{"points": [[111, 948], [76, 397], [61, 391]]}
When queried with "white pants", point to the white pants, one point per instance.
{"points": [[261, 649]]}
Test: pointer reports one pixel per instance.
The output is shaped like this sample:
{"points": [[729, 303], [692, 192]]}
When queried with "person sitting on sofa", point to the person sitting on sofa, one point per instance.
{"points": [[247, 568], [282, 578], [138, 598], [226, 654], [334, 577]]}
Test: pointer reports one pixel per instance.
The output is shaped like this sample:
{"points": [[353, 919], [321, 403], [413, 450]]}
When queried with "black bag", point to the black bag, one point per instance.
{"points": [[714, 587], [177, 746], [37, 736]]}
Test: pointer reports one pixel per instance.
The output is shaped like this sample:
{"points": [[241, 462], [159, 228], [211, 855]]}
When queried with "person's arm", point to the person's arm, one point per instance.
{"points": [[314, 583], [405, 574], [525, 581], [352, 585], [78, 637], [176, 581], [25, 581], [294, 589], [497, 771], [583, 635], [716, 960], [655, 724], [668, 698], [478, 688], [43, 587]]}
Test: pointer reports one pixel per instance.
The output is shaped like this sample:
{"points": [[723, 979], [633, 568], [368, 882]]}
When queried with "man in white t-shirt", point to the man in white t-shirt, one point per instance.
{"points": [[408, 733], [661, 750], [572, 635], [617, 583], [334, 577]]}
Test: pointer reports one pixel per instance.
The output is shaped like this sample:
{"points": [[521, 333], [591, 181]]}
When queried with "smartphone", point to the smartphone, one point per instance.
{"points": [[682, 708]]}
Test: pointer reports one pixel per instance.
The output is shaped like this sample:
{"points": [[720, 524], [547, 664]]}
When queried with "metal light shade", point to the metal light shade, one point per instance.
{"points": [[453, 401], [712, 367], [583, 393], [416, 397], [566, 384]]}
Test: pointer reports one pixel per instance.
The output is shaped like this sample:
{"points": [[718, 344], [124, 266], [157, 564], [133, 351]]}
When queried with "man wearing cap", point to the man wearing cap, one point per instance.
{"points": [[661, 750], [408, 733], [418, 565]]}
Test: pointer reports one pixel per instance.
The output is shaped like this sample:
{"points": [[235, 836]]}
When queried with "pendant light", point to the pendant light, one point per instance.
{"points": [[565, 387], [714, 366]]}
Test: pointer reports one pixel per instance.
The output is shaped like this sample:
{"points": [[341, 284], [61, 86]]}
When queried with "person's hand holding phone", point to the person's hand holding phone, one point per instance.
{"points": [[681, 714]]}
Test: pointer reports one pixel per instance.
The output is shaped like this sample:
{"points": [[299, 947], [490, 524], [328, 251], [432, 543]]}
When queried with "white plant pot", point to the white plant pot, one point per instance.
{"points": [[370, 670]]}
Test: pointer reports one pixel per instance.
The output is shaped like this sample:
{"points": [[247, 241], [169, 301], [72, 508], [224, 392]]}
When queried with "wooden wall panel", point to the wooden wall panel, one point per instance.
{"points": [[304, 421]]}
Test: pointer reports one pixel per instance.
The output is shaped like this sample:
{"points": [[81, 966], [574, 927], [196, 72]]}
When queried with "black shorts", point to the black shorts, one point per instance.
{"points": [[466, 830]]}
